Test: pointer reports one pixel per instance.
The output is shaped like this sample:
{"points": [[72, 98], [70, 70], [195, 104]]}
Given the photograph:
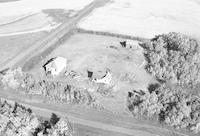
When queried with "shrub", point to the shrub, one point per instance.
{"points": [[144, 103]]}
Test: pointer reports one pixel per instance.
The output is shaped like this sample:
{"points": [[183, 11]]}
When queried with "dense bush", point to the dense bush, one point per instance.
{"points": [[16, 79], [144, 103], [16, 120], [173, 56], [174, 107]]}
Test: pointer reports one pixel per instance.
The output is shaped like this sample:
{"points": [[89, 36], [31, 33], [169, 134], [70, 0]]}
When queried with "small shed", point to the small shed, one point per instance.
{"points": [[106, 79], [130, 44], [55, 65], [90, 73]]}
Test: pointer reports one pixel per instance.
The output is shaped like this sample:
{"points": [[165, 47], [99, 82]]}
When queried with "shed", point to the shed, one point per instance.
{"points": [[106, 79], [55, 65]]}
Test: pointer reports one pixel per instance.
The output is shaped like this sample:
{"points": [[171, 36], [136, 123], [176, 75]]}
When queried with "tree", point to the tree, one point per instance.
{"points": [[54, 119], [173, 56]]}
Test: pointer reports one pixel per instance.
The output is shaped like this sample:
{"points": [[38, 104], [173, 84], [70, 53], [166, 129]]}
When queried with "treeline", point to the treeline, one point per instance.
{"points": [[61, 91]]}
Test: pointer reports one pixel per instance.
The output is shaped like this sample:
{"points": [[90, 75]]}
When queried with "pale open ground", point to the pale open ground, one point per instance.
{"points": [[26, 16], [11, 46], [34, 23], [34, 6], [91, 52], [145, 18]]}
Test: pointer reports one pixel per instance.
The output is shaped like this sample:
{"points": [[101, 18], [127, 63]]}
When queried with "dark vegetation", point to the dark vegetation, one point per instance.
{"points": [[17, 120], [60, 91], [173, 57], [173, 107], [56, 90]]}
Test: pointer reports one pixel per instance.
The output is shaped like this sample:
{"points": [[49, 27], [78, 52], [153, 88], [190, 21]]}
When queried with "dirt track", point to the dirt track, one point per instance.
{"points": [[54, 37], [89, 118], [92, 120]]}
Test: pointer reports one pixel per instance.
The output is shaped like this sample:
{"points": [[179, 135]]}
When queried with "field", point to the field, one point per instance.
{"points": [[144, 18], [31, 24], [19, 18], [23, 6], [11, 46], [21, 28]]}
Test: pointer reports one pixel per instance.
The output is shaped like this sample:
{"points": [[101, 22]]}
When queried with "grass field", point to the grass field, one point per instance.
{"points": [[13, 45]]}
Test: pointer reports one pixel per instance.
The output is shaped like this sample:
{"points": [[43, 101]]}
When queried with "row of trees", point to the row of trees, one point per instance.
{"points": [[16, 79]]}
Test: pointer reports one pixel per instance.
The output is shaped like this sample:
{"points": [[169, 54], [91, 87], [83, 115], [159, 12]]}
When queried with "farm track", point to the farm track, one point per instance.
{"points": [[55, 37], [90, 118], [17, 19]]}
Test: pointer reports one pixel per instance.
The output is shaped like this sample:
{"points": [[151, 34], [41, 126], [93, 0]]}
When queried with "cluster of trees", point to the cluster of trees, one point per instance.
{"points": [[171, 106], [57, 90], [53, 127], [170, 57], [16, 120], [61, 91], [174, 57], [12, 78]]}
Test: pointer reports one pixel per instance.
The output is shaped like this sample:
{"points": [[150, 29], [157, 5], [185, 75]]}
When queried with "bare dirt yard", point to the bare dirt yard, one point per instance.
{"points": [[99, 54]]}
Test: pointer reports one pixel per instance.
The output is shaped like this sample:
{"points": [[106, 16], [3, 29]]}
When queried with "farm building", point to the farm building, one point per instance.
{"points": [[106, 79], [55, 65]]}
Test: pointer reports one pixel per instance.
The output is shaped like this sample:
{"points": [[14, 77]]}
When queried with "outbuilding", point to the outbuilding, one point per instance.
{"points": [[106, 79], [55, 65]]}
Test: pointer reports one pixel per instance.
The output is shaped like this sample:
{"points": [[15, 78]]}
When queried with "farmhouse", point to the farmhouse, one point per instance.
{"points": [[55, 65]]}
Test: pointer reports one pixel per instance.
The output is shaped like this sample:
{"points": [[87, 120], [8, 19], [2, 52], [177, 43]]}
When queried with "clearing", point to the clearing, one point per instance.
{"points": [[99, 53]]}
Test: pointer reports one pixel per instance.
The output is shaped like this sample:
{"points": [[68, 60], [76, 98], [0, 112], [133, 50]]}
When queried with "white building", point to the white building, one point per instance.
{"points": [[55, 65]]}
